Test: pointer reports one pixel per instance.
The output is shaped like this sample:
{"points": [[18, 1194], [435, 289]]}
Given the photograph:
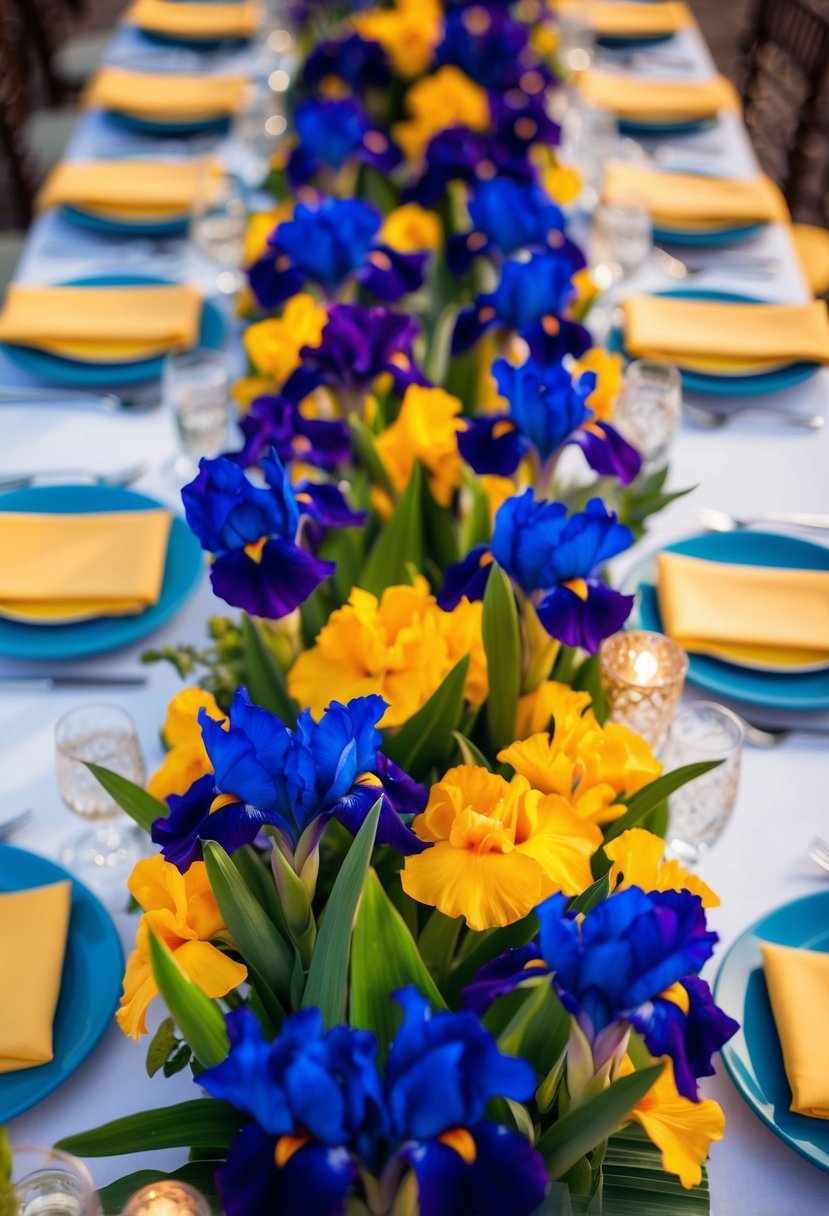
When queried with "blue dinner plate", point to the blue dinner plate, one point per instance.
{"points": [[92, 972], [664, 130], [721, 236], [727, 386], [182, 574], [617, 42], [776, 690], [753, 1057], [111, 227], [146, 126], [193, 44], [57, 370]]}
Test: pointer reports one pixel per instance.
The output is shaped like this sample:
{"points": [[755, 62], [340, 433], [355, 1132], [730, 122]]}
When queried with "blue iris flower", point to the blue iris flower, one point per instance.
{"points": [[251, 531], [359, 344], [611, 971], [275, 421], [536, 290], [520, 118], [460, 154], [358, 62], [321, 1111], [486, 45], [265, 773], [506, 216], [333, 131]]}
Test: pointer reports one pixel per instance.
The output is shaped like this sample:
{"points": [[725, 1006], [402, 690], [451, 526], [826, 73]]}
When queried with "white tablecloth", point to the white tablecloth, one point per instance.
{"points": [[760, 861]]}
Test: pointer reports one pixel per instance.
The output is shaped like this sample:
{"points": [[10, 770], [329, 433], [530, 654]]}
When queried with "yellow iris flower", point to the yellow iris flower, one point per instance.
{"points": [[426, 429], [186, 760], [498, 848], [682, 1130], [608, 369], [180, 910], [410, 229], [448, 98], [401, 646], [408, 33], [273, 345], [638, 861], [551, 700]]}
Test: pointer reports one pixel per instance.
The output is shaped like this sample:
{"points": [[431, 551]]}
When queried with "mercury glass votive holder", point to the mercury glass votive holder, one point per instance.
{"points": [[642, 675], [167, 1198]]}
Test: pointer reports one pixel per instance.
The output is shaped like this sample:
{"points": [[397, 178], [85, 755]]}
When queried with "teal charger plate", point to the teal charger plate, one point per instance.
{"points": [[664, 130], [54, 643], [92, 972], [722, 236], [107, 227], [775, 690], [145, 126], [753, 1058]]}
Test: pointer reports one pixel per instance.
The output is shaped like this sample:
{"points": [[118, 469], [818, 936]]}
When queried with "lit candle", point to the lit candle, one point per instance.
{"points": [[642, 676], [167, 1199]]}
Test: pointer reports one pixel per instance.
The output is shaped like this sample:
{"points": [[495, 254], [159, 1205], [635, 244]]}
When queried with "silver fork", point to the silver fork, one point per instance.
{"points": [[10, 826], [750, 266], [712, 419], [119, 477], [819, 853], [137, 401]]}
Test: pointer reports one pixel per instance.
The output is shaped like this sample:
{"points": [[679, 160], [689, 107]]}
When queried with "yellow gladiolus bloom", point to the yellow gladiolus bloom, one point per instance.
{"points": [[186, 760], [446, 99], [551, 700], [181, 911], [682, 1130], [426, 429], [608, 369], [498, 848], [401, 646], [638, 861], [273, 345], [408, 33], [410, 229]]}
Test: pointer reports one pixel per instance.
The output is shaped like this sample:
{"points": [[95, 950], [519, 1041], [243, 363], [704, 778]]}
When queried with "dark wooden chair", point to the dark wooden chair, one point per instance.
{"points": [[20, 167]]}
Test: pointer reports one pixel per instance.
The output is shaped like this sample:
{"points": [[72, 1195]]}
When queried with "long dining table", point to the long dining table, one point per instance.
{"points": [[748, 467]]}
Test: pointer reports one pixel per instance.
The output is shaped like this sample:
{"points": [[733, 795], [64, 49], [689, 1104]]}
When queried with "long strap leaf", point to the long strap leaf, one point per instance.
{"points": [[203, 1123]]}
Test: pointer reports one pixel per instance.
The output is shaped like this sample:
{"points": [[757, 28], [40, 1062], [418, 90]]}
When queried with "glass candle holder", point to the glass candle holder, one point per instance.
{"points": [[167, 1199], [643, 675], [48, 1182], [698, 811], [648, 410]]}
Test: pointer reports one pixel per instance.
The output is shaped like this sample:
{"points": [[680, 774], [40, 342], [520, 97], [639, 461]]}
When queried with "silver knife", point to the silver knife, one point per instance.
{"points": [[126, 679]]}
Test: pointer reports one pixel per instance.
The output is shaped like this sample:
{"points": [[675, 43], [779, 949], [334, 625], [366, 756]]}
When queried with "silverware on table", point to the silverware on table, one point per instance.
{"points": [[10, 826], [746, 265], [135, 401], [711, 418], [773, 736], [34, 683], [119, 477], [721, 521], [819, 853]]}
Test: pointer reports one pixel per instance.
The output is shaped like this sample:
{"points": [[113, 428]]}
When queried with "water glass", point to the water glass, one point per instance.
{"points": [[621, 240], [642, 675], [103, 855], [167, 1199], [698, 811], [589, 140], [647, 412], [576, 39], [48, 1182], [258, 128], [217, 229], [196, 386]]}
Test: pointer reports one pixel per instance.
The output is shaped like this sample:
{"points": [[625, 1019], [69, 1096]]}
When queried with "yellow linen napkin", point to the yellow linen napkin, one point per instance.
{"points": [[165, 95], [657, 101], [722, 333], [684, 199], [104, 324], [33, 929], [750, 614], [58, 567], [123, 188], [619, 19], [798, 984], [192, 20]]}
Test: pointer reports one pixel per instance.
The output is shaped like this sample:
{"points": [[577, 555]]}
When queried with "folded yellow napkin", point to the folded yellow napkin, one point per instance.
{"points": [[192, 20], [59, 567], [716, 335], [165, 95], [684, 199], [749, 614], [102, 324], [619, 19], [798, 984], [33, 929], [124, 188], [657, 101]]}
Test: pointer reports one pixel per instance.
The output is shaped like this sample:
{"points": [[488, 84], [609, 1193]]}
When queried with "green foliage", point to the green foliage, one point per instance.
{"points": [[400, 542], [203, 1123], [426, 739], [264, 678], [166, 1051], [502, 643], [635, 1181], [132, 798], [198, 1018]]}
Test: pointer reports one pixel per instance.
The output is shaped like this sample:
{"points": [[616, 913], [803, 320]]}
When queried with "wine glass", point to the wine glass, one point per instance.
{"points": [[101, 855]]}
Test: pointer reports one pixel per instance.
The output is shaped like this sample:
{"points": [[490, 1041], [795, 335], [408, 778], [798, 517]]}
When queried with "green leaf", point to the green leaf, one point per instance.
{"points": [[426, 739], [264, 678], [502, 643], [539, 1030], [132, 798], [384, 958], [328, 973], [486, 946], [476, 526], [198, 1018], [587, 679], [650, 796], [201, 1123], [596, 893], [162, 1045], [366, 448], [400, 543], [200, 1174], [584, 1127], [635, 1181], [437, 944], [470, 754], [268, 956]]}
